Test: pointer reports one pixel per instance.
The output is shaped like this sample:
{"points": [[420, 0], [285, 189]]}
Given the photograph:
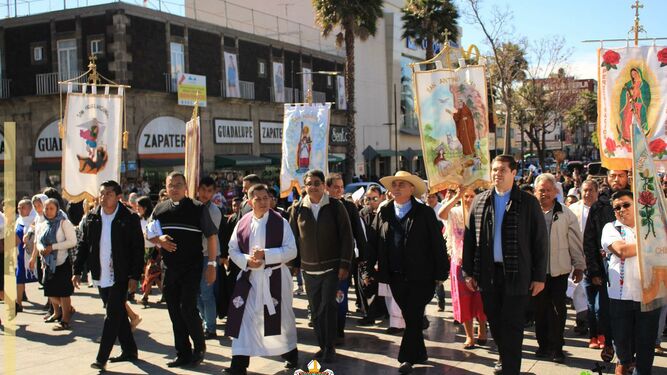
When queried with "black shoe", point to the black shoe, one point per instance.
{"points": [[98, 366], [425, 323], [365, 322], [498, 368], [210, 335], [19, 308], [319, 354], [394, 330], [405, 368], [197, 357], [179, 362], [124, 357], [542, 353], [559, 356], [231, 371], [441, 306], [291, 365], [329, 356]]}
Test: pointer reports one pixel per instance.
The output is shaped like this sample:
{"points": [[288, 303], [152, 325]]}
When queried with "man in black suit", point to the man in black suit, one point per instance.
{"points": [[408, 247], [113, 245]]}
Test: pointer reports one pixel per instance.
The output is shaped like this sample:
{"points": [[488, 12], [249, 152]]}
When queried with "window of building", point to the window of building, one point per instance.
{"points": [[500, 132], [67, 59], [177, 52], [96, 47], [38, 54], [261, 68]]}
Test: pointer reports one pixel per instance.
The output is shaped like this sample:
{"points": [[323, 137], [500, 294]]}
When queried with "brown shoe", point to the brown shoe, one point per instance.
{"points": [[621, 369]]}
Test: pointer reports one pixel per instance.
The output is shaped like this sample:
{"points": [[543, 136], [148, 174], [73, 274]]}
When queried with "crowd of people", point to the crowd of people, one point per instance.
{"points": [[514, 253]]}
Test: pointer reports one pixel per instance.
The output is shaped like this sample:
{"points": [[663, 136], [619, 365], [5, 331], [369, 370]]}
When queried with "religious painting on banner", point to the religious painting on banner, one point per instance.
{"points": [[305, 144], [651, 221], [452, 112], [633, 85], [192, 155], [91, 151], [278, 82]]}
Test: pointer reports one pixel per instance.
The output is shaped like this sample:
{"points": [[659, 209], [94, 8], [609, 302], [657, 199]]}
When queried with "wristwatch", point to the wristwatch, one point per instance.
{"points": [[212, 263]]}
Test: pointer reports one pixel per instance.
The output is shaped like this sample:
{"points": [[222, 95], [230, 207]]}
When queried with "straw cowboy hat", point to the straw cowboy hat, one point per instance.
{"points": [[416, 181]]}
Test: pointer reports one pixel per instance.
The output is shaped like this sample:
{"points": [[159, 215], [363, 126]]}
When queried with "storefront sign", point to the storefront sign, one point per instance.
{"points": [[191, 88], [49, 144], [233, 131], [338, 135], [271, 132], [163, 135]]}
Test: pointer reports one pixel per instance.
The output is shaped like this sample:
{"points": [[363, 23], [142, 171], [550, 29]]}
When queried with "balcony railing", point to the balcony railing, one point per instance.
{"points": [[170, 83], [292, 95], [4, 88], [47, 83], [247, 90]]}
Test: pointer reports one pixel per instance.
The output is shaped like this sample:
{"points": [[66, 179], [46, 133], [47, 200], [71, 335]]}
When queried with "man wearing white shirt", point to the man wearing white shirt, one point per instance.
{"points": [[261, 245], [634, 330], [113, 245]]}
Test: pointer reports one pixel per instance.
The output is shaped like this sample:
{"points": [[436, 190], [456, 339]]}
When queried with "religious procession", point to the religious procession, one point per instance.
{"points": [[257, 200]]}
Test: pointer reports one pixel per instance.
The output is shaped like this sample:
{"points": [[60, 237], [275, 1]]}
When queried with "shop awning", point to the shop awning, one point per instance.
{"points": [[225, 161], [336, 158], [386, 153], [411, 153], [276, 159]]}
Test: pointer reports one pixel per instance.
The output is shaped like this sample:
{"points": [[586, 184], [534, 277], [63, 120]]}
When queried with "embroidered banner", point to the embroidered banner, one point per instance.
{"points": [[91, 143], [452, 110], [192, 155], [305, 144], [651, 222], [633, 82], [278, 82]]}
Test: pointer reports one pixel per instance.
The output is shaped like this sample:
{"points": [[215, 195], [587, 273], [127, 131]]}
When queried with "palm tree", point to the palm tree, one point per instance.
{"points": [[430, 21], [354, 18]]}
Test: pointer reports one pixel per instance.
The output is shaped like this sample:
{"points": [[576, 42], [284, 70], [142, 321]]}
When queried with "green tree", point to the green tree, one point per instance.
{"points": [[354, 19], [583, 113], [430, 21]]}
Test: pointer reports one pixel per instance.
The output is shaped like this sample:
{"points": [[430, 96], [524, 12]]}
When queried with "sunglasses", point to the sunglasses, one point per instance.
{"points": [[624, 205]]}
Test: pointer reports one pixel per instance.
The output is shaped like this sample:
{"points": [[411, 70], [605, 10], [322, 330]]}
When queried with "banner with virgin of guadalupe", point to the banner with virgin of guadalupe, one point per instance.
{"points": [[650, 222], [305, 144], [91, 144], [633, 87], [192, 155], [452, 110]]}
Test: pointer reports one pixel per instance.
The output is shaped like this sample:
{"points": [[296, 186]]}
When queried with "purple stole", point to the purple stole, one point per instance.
{"points": [[274, 238]]}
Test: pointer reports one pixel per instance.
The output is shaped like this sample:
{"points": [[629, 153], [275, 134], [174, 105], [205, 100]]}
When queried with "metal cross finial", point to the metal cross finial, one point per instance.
{"points": [[93, 76], [637, 28], [446, 33]]}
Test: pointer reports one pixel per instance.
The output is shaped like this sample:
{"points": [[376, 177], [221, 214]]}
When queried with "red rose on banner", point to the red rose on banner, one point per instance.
{"points": [[610, 146], [647, 198], [662, 57], [658, 148], [610, 59]]}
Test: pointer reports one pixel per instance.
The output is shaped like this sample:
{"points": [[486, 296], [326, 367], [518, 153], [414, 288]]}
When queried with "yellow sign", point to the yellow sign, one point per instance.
{"points": [[191, 88]]}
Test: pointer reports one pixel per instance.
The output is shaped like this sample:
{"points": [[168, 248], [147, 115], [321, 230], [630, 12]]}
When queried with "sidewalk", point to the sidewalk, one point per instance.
{"points": [[367, 350]]}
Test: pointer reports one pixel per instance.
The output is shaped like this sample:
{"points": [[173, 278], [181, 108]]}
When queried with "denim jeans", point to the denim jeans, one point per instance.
{"points": [[598, 310], [634, 331], [206, 303], [661, 324]]}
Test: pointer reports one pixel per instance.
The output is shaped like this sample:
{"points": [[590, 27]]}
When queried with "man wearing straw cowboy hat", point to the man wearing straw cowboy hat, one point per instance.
{"points": [[410, 253]]}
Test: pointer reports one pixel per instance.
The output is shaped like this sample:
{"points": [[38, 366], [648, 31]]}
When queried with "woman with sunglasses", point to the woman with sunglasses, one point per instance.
{"points": [[632, 328]]}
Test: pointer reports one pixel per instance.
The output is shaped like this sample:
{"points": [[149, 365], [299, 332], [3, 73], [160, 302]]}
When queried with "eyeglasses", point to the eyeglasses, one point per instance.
{"points": [[624, 205], [314, 183]]}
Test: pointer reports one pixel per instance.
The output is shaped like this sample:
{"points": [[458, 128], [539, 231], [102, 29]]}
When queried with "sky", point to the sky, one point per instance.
{"points": [[575, 21]]}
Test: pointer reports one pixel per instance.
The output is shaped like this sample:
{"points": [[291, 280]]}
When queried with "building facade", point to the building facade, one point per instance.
{"points": [[147, 49]]}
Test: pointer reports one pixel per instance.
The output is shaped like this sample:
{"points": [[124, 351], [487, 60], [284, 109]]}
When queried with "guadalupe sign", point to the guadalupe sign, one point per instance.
{"points": [[452, 111], [633, 83]]}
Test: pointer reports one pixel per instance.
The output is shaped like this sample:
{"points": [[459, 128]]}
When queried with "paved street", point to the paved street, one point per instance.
{"points": [[367, 350]]}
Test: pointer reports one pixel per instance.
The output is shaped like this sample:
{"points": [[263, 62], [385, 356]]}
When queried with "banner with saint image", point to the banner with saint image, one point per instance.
{"points": [[650, 222], [452, 110], [92, 143], [305, 144], [633, 88]]}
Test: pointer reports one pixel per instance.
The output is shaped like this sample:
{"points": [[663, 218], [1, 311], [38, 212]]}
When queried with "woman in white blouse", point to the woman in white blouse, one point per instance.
{"points": [[54, 237]]}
